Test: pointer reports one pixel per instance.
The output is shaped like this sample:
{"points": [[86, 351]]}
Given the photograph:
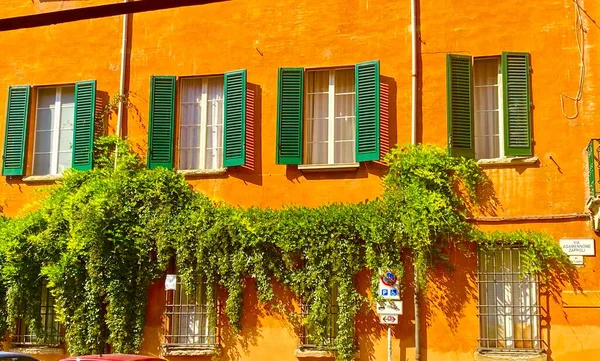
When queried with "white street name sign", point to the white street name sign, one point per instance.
{"points": [[578, 246]]}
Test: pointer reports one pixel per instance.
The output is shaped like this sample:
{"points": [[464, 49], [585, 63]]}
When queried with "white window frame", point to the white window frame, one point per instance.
{"points": [[498, 58], [330, 115], [54, 153], [204, 103]]}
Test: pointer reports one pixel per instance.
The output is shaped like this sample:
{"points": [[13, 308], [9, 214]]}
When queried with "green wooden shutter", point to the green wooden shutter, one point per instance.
{"points": [[459, 85], [13, 158], [162, 122], [83, 133], [289, 115], [517, 104], [234, 123], [367, 111]]}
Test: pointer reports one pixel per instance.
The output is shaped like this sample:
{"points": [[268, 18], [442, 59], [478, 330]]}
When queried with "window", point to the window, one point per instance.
{"points": [[489, 106], [330, 116], [508, 302], [333, 120], [55, 113], [211, 125], [308, 338], [50, 331], [64, 129], [188, 323], [201, 123]]}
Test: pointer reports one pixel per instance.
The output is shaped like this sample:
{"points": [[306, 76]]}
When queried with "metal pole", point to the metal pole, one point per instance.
{"points": [[417, 317], [389, 343], [124, 41]]}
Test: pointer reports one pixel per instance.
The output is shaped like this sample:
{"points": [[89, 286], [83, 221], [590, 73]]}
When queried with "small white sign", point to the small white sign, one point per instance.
{"points": [[389, 308], [388, 319], [576, 260], [171, 282], [578, 247]]}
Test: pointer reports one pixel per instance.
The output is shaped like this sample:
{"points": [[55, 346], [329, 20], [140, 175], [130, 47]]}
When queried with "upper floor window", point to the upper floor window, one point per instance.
{"points": [[53, 146], [201, 123], [211, 125], [489, 106], [49, 333], [188, 323], [509, 311], [328, 117], [63, 136]]}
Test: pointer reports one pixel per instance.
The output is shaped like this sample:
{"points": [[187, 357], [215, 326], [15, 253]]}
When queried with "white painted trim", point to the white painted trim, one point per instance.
{"points": [[331, 120]]}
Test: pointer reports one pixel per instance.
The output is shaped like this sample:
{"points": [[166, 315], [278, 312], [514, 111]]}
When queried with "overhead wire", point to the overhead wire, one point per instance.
{"points": [[580, 39]]}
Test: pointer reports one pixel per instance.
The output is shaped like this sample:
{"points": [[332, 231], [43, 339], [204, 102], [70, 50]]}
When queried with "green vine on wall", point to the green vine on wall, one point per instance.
{"points": [[102, 237]]}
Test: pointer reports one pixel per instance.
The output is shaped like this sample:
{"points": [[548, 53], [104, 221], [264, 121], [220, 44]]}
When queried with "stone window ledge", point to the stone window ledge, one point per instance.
{"points": [[43, 178], [487, 163], [510, 356], [202, 172], [328, 167], [314, 353], [191, 350], [38, 350]]}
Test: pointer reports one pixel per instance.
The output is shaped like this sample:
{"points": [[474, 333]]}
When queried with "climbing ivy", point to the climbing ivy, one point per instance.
{"points": [[102, 237]]}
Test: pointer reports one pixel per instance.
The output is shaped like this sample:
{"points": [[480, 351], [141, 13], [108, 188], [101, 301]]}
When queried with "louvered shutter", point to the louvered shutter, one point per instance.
{"points": [[13, 157], [367, 111], [83, 133], [162, 122], [517, 104], [459, 84], [289, 115], [234, 124]]}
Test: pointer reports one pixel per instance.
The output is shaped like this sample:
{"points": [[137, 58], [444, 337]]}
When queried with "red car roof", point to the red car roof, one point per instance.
{"points": [[113, 357]]}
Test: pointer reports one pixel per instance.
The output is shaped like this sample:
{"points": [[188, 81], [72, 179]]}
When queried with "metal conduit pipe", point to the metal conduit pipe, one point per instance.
{"points": [[124, 42]]}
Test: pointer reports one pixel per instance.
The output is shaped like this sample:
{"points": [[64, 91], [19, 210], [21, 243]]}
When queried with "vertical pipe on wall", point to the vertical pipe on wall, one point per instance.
{"points": [[124, 41]]}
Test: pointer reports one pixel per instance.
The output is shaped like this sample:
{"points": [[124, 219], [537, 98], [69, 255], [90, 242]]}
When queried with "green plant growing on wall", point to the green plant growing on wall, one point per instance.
{"points": [[102, 237]]}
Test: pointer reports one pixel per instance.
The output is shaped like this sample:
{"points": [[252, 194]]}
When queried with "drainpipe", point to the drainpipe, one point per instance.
{"points": [[124, 41], [417, 291]]}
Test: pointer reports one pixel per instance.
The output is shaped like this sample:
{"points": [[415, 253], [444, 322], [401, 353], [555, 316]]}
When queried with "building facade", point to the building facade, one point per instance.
{"points": [[274, 103]]}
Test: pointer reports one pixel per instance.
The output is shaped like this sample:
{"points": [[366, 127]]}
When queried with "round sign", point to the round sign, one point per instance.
{"points": [[389, 279]]}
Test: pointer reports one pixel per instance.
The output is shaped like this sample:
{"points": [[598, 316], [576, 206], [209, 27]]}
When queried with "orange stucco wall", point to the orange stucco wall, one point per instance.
{"points": [[261, 36]]}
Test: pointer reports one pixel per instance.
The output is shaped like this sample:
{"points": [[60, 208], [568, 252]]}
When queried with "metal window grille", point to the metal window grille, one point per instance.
{"points": [[509, 308], [188, 322], [50, 332], [308, 338]]}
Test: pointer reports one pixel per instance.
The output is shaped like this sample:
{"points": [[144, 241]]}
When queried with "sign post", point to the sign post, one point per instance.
{"points": [[391, 308]]}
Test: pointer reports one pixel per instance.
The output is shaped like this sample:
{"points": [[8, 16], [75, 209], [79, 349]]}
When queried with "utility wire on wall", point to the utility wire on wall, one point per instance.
{"points": [[580, 39]]}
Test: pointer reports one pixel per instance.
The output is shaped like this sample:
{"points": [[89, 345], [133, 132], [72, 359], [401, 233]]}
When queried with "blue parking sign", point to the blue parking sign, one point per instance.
{"points": [[384, 292]]}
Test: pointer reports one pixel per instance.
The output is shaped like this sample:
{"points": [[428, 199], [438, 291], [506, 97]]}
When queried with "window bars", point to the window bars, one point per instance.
{"points": [[50, 332], [188, 323], [308, 339], [509, 308]]}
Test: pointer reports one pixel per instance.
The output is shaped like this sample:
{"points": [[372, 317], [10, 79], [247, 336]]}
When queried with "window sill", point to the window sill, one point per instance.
{"points": [[510, 356], [207, 350], [314, 353], [207, 172], [37, 349], [507, 161], [328, 167], [43, 178]]}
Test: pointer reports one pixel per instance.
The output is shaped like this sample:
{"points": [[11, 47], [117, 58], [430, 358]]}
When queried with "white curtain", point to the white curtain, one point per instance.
{"points": [[325, 89], [190, 123], [486, 108], [214, 124]]}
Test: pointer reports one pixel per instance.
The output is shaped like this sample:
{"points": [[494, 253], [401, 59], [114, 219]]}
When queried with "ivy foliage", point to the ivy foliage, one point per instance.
{"points": [[102, 237]]}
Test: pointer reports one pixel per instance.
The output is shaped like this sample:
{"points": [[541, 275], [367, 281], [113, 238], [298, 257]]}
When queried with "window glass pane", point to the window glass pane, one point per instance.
{"points": [[64, 161], [189, 123], [316, 153], [486, 108], [41, 164], [46, 97], [43, 141], [65, 142], [44, 119], [317, 117], [191, 96], [344, 152]]}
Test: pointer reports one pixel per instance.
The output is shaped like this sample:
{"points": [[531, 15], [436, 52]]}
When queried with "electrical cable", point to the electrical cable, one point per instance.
{"points": [[580, 39]]}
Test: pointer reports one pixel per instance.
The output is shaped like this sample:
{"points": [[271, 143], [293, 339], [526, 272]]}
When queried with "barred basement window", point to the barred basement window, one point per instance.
{"points": [[509, 311], [308, 338], [50, 332], [188, 323]]}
